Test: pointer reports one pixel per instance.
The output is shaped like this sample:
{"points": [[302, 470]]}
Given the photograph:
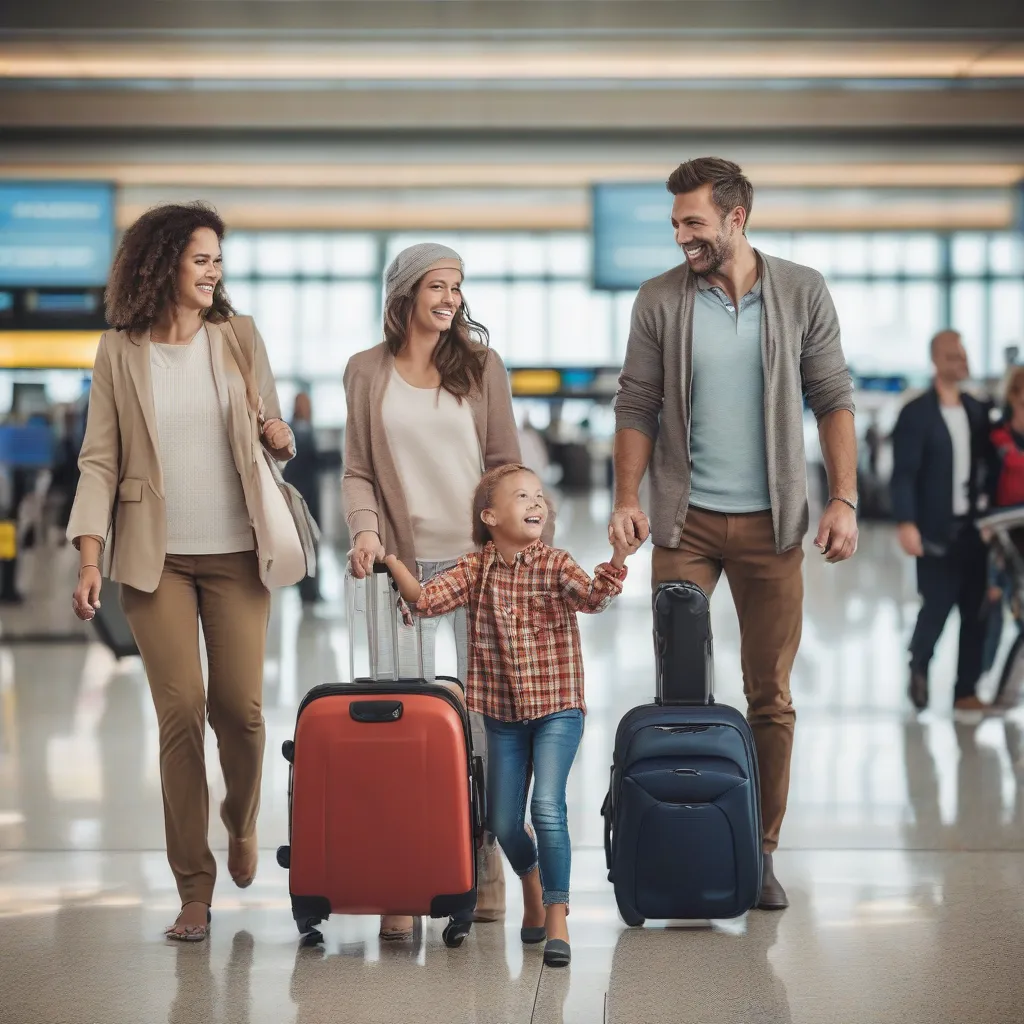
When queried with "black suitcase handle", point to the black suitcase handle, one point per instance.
{"points": [[683, 649], [376, 710]]}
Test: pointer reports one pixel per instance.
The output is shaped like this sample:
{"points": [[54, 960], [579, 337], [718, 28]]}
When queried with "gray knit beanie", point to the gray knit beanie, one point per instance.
{"points": [[412, 263]]}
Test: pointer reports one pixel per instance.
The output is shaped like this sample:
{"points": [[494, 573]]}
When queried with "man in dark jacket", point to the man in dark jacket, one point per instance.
{"points": [[941, 458]]}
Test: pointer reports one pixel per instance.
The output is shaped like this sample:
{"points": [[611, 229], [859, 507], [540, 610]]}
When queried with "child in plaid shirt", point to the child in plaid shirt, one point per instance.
{"points": [[526, 677]]}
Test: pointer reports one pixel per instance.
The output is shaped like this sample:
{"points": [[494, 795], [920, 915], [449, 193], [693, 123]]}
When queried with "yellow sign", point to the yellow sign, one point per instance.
{"points": [[8, 541], [535, 382], [48, 350]]}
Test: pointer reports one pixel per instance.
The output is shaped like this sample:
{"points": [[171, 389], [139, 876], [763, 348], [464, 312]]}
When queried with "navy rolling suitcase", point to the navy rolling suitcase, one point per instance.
{"points": [[683, 811]]}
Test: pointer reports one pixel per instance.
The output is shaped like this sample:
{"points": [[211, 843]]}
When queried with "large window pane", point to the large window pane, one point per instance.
{"points": [[527, 319], [969, 254], [853, 254], [623, 313], [921, 254], [886, 257], [328, 398], [1006, 315], [1006, 252], [354, 309], [484, 255], [238, 251], [528, 256], [352, 256], [488, 304], [276, 255], [311, 255], [885, 326], [969, 320], [569, 255], [774, 244], [580, 326], [241, 295], [816, 251], [274, 307]]}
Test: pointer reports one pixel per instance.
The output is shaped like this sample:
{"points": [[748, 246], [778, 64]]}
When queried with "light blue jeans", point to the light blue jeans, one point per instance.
{"points": [[549, 744]]}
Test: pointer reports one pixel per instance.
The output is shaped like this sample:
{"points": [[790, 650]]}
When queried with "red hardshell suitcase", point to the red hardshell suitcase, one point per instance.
{"points": [[385, 796]]}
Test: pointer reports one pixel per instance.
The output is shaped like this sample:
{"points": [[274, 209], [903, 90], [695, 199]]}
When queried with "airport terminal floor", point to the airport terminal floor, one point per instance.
{"points": [[903, 849]]}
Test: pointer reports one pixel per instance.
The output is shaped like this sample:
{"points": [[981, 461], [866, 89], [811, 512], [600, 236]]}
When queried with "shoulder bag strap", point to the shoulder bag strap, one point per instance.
{"points": [[232, 329]]}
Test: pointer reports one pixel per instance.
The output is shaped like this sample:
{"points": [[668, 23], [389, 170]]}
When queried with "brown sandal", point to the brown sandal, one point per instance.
{"points": [[192, 932], [396, 934]]}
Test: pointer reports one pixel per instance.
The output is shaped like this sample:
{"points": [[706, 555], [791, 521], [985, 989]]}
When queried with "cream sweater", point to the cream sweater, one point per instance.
{"points": [[434, 443], [206, 511]]}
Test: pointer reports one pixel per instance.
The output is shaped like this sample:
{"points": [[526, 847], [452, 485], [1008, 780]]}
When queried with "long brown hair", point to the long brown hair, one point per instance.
{"points": [[483, 499], [144, 278], [457, 357]]}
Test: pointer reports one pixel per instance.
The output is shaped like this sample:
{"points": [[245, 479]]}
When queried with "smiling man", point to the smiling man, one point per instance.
{"points": [[722, 352]]}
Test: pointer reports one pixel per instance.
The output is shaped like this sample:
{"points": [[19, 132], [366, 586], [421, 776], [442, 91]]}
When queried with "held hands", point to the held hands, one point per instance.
{"points": [[277, 434], [837, 532], [627, 531], [628, 528], [366, 549], [86, 598]]}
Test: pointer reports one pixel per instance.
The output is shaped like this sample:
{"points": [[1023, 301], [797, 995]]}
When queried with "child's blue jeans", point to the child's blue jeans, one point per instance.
{"points": [[549, 745]]}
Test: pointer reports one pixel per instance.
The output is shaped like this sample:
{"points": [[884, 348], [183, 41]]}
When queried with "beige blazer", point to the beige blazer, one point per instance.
{"points": [[120, 495]]}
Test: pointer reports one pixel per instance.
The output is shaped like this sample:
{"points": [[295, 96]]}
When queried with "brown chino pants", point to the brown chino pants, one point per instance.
{"points": [[768, 592], [225, 592]]}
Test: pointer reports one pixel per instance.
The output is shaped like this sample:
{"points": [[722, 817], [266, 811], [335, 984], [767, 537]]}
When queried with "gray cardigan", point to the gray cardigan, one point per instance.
{"points": [[802, 356]]}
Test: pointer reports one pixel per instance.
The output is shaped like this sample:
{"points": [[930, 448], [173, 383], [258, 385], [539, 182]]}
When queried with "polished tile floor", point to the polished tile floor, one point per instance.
{"points": [[903, 850]]}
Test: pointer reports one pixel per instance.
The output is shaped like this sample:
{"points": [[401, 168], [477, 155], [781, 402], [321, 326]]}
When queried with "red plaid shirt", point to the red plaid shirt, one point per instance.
{"points": [[525, 659]]}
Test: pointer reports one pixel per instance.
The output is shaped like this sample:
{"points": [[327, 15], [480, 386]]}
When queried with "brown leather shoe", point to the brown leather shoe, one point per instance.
{"points": [[773, 896]]}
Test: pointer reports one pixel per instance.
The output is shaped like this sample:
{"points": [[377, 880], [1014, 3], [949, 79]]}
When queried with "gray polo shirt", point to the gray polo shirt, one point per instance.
{"points": [[727, 437]]}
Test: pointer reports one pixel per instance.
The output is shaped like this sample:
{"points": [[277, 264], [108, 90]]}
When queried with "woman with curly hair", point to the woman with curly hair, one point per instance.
{"points": [[429, 411], [168, 480]]}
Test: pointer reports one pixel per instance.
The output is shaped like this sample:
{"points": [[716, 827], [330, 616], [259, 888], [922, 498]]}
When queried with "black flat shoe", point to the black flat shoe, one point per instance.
{"points": [[533, 936], [557, 953]]}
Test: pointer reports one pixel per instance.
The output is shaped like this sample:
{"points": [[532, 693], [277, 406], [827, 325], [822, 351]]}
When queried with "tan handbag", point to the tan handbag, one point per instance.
{"points": [[287, 531]]}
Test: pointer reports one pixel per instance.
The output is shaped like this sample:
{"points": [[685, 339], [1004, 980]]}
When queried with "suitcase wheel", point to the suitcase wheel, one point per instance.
{"points": [[631, 918], [288, 749], [455, 933], [311, 936], [284, 857]]}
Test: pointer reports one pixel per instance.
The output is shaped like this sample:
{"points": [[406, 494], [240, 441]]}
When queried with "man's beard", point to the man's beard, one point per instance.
{"points": [[717, 254]]}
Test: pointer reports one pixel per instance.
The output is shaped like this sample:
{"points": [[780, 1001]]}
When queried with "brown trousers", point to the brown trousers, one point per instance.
{"points": [[768, 592], [226, 593]]}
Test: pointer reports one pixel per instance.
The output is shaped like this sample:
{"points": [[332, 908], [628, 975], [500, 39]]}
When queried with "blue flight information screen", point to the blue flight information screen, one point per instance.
{"points": [[56, 234], [632, 234]]}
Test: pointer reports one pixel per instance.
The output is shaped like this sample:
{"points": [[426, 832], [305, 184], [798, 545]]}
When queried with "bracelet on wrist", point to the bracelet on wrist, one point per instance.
{"points": [[88, 565], [845, 501]]}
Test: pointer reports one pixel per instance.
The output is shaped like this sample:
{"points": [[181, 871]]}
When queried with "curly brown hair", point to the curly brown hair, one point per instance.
{"points": [[143, 279], [458, 355], [484, 497]]}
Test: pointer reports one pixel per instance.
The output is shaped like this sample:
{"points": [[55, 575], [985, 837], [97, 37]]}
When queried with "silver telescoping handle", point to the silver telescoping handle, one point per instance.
{"points": [[372, 594]]}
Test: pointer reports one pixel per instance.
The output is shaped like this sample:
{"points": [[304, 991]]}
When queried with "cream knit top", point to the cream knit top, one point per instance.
{"points": [[206, 511]]}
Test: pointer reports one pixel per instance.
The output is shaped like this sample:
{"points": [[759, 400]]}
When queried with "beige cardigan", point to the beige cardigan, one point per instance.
{"points": [[120, 495], [371, 490]]}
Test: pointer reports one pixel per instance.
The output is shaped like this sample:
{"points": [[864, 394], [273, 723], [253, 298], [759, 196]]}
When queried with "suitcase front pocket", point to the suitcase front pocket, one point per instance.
{"points": [[684, 858]]}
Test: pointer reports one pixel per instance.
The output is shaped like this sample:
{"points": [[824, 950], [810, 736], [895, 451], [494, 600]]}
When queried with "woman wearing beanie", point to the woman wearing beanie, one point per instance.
{"points": [[429, 411], [167, 485]]}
